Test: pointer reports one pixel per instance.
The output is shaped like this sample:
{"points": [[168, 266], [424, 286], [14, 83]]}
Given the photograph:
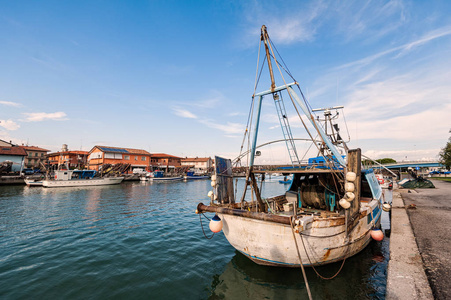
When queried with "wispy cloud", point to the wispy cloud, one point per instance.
{"points": [[9, 124], [41, 116], [183, 113], [402, 49], [301, 22], [285, 26], [228, 128], [9, 103]]}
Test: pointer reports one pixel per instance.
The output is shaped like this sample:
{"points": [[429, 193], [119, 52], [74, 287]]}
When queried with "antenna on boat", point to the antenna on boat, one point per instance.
{"points": [[331, 129]]}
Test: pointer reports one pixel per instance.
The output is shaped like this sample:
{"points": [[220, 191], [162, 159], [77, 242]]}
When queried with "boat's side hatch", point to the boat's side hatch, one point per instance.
{"points": [[375, 187]]}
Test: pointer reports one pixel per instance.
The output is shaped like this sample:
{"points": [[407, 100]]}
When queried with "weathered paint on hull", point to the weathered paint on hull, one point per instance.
{"points": [[269, 243], [81, 182]]}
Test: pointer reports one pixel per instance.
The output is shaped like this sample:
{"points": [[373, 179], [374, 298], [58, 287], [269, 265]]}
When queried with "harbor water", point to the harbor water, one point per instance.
{"points": [[144, 241]]}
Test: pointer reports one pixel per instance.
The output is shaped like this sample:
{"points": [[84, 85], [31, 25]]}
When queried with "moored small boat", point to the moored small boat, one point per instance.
{"points": [[194, 176], [78, 178], [33, 181], [158, 176]]}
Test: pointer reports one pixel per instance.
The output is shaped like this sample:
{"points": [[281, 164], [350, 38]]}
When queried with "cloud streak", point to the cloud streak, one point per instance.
{"points": [[41, 116], [183, 113], [403, 49], [9, 103]]}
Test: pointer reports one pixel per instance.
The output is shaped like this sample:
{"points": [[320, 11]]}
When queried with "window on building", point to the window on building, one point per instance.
{"points": [[127, 157], [136, 157], [42, 154], [36, 154], [143, 158]]}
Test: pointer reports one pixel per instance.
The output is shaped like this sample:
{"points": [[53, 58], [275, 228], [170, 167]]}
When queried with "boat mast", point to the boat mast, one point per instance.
{"points": [[265, 38]]}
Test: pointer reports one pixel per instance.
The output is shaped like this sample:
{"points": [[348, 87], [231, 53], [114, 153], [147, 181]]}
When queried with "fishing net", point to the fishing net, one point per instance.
{"points": [[418, 183]]}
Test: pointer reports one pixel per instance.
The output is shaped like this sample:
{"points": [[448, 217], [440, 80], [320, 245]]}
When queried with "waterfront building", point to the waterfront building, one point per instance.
{"points": [[5, 143], [199, 163], [35, 156], [162, 161], [100, 155], [13, 155], [73, 159]]}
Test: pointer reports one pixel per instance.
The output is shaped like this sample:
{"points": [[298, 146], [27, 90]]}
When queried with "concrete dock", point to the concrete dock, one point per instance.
{"points": [[420, 248]]}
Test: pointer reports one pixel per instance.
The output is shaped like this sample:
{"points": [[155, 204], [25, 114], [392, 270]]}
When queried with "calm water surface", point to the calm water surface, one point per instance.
{"points": [[144, 241]]}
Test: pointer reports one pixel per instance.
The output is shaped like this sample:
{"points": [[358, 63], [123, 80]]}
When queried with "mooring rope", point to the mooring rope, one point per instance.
{"points": [[300, 260], [313, 267]]}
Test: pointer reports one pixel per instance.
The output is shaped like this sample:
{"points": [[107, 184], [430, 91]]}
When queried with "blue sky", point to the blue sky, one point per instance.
{"points": [[177, 76]]}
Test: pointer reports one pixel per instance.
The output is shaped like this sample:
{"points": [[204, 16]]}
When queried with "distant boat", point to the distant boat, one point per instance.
{"points": [[73, 178], [33, 181], [158, 176], [288, 181], [193, 176]]}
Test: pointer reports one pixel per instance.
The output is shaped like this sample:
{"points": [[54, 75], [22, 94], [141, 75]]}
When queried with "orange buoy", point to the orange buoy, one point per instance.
{"points": [[377, 234]]}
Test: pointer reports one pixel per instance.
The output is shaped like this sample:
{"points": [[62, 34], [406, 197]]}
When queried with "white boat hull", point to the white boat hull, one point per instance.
{"points": [[33, 182], [82, 182], [269, 243]]}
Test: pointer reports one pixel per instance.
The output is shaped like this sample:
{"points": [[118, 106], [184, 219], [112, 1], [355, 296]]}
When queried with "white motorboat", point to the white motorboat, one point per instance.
{"points": [[74, 178]]}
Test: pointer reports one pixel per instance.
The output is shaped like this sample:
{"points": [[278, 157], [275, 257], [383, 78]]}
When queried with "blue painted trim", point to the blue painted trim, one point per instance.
{"points": [[268, 260], [378, 215]]}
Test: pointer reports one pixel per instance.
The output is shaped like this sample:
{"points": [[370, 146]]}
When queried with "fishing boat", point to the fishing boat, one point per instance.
{"points": [[74, 178], [158, 176], [332, 208], [286, 180], [191, 175], [33, 181]]}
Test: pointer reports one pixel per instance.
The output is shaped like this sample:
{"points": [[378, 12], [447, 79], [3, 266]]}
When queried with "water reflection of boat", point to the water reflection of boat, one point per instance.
{"points": [[243, 279], [331, 207]]}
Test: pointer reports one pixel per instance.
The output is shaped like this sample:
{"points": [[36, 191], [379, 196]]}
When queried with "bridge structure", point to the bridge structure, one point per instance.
{"points": [[417, 165]]}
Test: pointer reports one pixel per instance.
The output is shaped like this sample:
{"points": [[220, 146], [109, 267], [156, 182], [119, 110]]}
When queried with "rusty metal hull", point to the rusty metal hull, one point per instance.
{"points": [[320, 240]]}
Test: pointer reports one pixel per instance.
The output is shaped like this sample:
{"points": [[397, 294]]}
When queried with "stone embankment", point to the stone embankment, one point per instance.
{"points": [[420, 244]]}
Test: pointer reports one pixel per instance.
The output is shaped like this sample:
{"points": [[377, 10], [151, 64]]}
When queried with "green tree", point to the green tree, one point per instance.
{"points": [[445, 155], [386, 161]]}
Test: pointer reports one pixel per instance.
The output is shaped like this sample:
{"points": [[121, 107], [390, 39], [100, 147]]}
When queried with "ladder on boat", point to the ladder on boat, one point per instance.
{"points": [[286, 130]]}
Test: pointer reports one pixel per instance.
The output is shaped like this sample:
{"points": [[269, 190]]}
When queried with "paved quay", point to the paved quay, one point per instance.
{"points": [[420, 248]]}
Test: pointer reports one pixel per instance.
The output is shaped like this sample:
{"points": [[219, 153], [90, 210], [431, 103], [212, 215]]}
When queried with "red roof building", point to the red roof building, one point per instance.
{"points": [[13, 155], [200, 163], [72, 159], [100, 155], [35, 156], [165, 161]]}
